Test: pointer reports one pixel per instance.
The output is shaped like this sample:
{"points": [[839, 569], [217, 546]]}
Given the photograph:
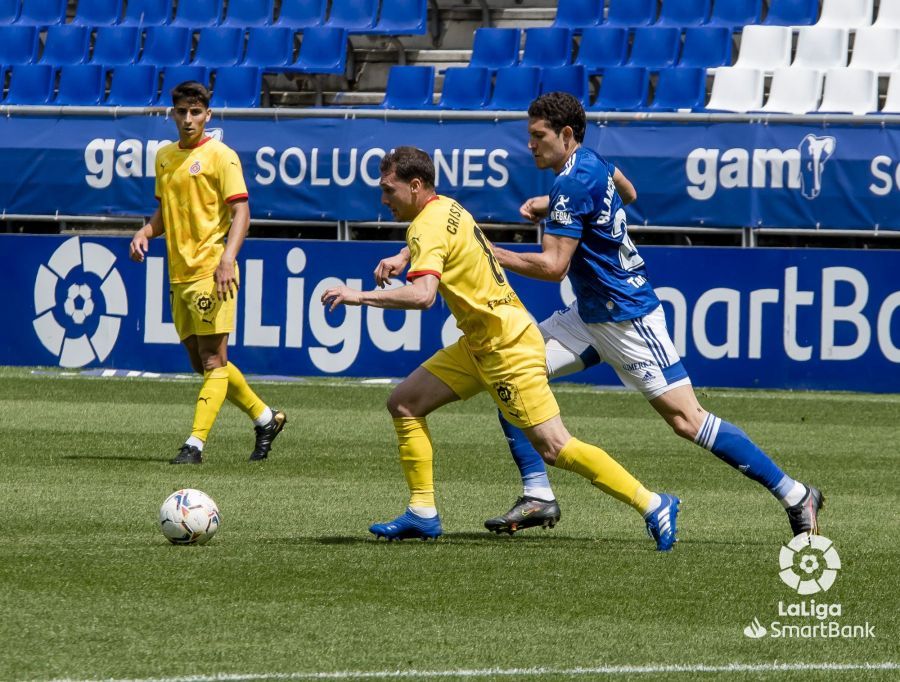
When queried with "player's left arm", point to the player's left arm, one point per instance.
{"points": [[226, 273], [626, 190], [420, 294], [550, 264]]}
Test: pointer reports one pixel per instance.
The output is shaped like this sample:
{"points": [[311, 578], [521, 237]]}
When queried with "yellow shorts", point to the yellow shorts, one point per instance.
{"points": [[196, 310], [515, 375]]}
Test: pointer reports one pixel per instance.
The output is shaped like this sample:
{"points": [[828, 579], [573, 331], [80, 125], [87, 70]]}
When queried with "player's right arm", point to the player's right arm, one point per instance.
{"points": [[391, 267], [536, 208], [139, 243]]}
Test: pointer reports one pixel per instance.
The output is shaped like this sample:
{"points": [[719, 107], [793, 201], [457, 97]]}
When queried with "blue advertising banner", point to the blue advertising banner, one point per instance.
{"points": [[767, 318], [686, 174]]}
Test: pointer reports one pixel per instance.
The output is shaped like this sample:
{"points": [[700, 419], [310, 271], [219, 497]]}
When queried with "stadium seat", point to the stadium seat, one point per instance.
{"points": [[97, 13], [353, 15], [18, 45], [247, 13], [736, 89], [684, 13], [876, 49], [545, 47], [409, 87], [269, 48], [571, 79], [322, 50], [623, 88], [792, 13], [42, 13], [198, 13], [680, 89], [655, 48], [601, 47], [848, 14], [147, 13], [630, 13], [888, 14], [892, 99], [850, 91], [166, 46], [66, 44], [133, 86], [706, 47], [765, 47], [219, 47], [236, 87], [735, 14], [81, 85], [821, 48], [30, 84], [515, 87], [116, 45], [402, 18], [174, 75], [578, 14], [467, 87], [301, 14], [496, 48], [794, 91], [9, 12]]}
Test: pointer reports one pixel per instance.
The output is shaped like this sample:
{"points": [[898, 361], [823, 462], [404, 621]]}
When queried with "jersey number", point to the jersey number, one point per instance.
{"points": [[496, 270], [629, 258]]}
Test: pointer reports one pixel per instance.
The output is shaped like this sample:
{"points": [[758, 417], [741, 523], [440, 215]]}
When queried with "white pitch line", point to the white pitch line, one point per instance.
{"points": [[516, 672]]}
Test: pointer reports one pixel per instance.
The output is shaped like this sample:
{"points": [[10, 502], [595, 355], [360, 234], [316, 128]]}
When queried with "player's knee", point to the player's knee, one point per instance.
{"points": [[684, 427], [399, 406], [211, 361]]}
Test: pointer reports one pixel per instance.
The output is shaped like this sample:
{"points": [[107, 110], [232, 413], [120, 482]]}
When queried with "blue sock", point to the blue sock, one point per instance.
{"points": [[727, 442], [531, 466]]}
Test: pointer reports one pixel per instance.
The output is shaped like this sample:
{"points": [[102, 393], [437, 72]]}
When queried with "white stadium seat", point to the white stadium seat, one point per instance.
{"points": [[738, 90], [794, 91], [850, 14], [892, 101], [850, 91], [765, 47], [888, 14], [822, 48], [877, 49]]}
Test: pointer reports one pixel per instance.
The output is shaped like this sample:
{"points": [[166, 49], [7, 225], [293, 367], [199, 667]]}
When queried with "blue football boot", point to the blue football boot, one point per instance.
{"points": [[661, 523], [406, 526]]}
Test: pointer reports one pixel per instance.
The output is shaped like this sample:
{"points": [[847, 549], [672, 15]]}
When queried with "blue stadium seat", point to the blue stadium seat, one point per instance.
{"points": [[631, 13], [623, 88], [300, 14], [353, 15], [81, 85], [174, 75], [219, 47], [706, 47], [655, 48], [578, 14], [247, 13], [322, 50], [236, 87], [198, 13], [496, 48], [166, 46], [602, 46], [409, 87], [269, 48], [42, 13], [30, 84], [515, 88], [792, 13], [735, 14], [545, 47], [116, 45], [147, 13], [402, 17], [684, 13], [66, 44], [98, 13], [9, 11], [681, 88], [571, 79], [18, 45], [467, 87], [133, 86]]}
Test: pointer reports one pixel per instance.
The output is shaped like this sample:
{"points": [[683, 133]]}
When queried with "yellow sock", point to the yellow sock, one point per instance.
{"points": [[415, 459], [209, 402], [240, 393], [604, 472]]}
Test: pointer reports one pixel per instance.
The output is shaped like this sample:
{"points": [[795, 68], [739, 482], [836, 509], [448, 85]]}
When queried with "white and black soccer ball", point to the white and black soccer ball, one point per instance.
{"points": [[189, 517]]}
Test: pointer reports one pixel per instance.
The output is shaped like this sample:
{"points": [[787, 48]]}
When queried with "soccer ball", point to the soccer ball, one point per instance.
{"points": [[189, 517]]}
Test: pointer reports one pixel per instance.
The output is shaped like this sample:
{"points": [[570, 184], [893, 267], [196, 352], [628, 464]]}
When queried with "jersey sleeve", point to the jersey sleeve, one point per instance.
{"points": [[429, 248], [232, 177], [570, 205], [157, 190]]}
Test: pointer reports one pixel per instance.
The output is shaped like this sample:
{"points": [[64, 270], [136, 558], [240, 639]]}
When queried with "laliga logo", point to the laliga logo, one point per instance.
{"points": [[809, 564], [76, 332], [814, 152]]}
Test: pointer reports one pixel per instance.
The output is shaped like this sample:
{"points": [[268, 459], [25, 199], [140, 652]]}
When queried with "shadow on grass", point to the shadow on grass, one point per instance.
{"points": [[116, 458]]}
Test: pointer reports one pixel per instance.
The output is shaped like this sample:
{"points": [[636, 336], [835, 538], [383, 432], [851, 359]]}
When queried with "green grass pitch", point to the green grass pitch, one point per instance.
{"points": [[294, 587]]}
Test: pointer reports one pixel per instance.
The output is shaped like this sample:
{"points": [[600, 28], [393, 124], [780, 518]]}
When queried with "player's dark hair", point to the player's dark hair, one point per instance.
{"points": [[191, 92], [408, 163], [560, 109]]}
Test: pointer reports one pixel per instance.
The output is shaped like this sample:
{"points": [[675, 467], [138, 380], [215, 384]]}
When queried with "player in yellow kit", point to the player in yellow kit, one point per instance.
{"points": [[501, 351], [202, 199]]}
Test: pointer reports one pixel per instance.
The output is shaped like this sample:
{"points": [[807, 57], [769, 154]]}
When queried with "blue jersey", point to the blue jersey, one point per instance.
{"points": [[607, 273]]}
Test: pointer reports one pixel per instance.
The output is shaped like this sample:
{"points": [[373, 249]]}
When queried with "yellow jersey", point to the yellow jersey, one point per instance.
{"points": [[445, 241], [194, 187]]}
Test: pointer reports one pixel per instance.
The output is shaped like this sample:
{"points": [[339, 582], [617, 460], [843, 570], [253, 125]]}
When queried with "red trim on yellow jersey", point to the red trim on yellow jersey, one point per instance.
{"points": [[201, 142], [235, 197], [432, 198], [410, 276]]}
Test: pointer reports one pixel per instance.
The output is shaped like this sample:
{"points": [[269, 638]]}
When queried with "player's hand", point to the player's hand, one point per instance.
{"points": [[138, 247], [389, 267], [333, 297], [535, 209], [226, 280]]}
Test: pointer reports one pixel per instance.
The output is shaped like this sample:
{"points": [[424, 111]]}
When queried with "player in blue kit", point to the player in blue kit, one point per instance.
{"points": [[616, 318]]}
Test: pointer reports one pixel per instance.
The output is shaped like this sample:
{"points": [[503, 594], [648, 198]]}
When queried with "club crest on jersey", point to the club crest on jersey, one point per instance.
{"points": [[561, 213], [195, 168]]}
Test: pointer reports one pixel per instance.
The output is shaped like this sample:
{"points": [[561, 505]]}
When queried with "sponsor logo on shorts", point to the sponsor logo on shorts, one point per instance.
{"points": [[509, 395], [204, 303], [634, 366]]}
